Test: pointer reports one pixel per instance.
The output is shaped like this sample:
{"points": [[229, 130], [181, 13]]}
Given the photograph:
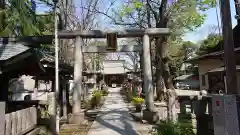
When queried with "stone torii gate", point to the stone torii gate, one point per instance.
{"points": [[77, 114]]}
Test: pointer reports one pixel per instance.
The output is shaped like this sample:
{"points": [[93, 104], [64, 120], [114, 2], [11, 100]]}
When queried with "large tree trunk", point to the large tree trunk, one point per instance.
{"points": [[162, 72], [165, 88], [160, 84], [2, 6], [160, 52], [164, 79], [164, 69]]}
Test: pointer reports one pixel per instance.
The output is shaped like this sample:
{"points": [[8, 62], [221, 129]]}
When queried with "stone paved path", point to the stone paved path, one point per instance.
{"points": [[114, 118]]}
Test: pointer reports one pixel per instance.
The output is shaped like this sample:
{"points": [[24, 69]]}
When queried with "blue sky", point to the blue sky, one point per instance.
{"points": [[199, 34], [211, 20]]}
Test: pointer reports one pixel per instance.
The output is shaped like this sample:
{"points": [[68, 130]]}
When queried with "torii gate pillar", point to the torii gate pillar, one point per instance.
{"points": [[77, 113], [147, 73]]}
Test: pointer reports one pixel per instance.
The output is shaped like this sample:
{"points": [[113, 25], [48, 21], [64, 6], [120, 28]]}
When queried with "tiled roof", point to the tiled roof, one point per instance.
{"points": [[10, 50], [218, 49], [46, 57], [213, 54], [184, 77], [223, 68]]}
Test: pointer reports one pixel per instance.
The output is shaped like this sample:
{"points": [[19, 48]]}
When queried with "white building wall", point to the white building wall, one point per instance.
{"points": [[25, 85], [113, 67]]}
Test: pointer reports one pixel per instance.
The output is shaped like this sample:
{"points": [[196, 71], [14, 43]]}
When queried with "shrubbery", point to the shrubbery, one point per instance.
{"points": [[171, 128], [96, 98], [105, 92], [137, 101]]}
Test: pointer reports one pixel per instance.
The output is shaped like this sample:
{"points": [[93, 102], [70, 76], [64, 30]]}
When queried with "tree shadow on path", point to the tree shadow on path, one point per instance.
{"points": [[122, 117]]}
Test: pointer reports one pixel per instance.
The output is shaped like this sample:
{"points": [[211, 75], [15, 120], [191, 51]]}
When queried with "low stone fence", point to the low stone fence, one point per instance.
{"points": [[195, 110], [198, 111], [18, 122]]}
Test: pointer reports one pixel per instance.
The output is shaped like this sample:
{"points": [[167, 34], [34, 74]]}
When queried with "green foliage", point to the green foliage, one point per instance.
{"points": [[86, 104], [105, 92], [96, 98], [17, 14], [178, 53], [128, 8], [137, 100], [43, 111], [171, 128], [127, 92], [181, 16], [46, 23], [210, 44], [96, 93], [184, 16]]}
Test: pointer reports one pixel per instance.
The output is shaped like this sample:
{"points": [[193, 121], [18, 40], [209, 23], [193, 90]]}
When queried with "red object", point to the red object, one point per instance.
{"points": [[139, 91], [218, 103]]}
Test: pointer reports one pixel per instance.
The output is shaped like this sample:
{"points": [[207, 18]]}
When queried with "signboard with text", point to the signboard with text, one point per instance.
{"points": [[225, 115]]}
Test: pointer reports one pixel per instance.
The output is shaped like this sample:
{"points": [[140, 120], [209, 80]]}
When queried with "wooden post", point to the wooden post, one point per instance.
{"points": [[77, 76], [4, 88], [52, 106], [95, 71], [229, 53], [2, 118], [148, 88], [64, 99], [67, 96], [84, 91], [141, 67], [2, 6]]}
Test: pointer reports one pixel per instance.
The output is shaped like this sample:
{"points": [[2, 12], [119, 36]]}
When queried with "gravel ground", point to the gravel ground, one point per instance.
{"points": [[73, 129]]}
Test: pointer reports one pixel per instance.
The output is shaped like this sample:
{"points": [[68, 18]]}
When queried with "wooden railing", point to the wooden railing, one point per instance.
{"points": [[21, 121]]}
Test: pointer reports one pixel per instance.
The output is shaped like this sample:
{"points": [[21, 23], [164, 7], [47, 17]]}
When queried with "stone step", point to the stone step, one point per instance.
{"points": [[160, 104], [92, 113]]}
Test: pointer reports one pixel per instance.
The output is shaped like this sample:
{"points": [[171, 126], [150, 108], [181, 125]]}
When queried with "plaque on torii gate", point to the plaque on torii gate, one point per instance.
{"points": [[111, 41]]}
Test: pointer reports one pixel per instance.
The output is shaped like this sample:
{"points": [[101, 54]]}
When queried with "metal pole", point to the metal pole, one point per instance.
{"points": [[56, 70]]}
